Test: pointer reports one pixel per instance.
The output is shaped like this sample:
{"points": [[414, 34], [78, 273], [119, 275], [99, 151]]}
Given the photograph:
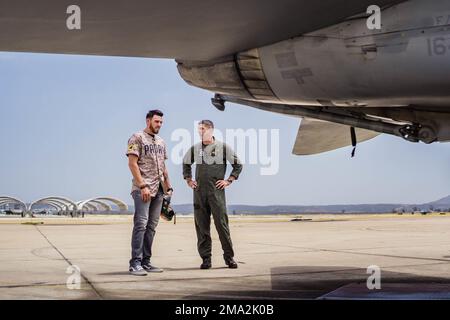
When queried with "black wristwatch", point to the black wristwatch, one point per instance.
{"points": [[170, 189], [230, 180], [144, 186]]}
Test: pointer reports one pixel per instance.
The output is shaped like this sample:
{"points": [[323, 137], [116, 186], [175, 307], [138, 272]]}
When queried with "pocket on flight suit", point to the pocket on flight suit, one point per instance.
{"points": [[196, 197]]}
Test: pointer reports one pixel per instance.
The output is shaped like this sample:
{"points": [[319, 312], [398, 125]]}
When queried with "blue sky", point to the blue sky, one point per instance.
{"points": [[65, 121]]}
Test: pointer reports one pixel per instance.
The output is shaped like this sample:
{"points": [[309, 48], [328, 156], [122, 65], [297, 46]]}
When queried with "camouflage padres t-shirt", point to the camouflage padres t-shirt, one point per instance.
{"points": [[151, 152]]}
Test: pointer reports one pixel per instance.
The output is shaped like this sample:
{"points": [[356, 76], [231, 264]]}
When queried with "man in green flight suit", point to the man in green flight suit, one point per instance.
{"points": [[211, 158]]}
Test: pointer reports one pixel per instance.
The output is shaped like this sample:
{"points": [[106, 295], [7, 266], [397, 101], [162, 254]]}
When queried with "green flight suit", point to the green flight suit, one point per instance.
{"points": [[211, 164]]}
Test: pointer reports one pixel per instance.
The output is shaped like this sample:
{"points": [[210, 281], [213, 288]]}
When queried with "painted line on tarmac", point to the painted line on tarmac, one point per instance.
{"points": [[69, 262]]}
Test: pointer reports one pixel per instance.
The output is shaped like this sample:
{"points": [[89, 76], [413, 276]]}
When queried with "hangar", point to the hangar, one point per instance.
{"points": [[65, 206]]}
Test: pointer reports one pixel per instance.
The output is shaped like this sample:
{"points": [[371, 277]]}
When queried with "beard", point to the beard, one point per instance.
{"points": [[154, 130]]}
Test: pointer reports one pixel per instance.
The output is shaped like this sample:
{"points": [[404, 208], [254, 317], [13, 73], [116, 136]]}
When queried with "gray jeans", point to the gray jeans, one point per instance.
{"points": [[146, 218]]}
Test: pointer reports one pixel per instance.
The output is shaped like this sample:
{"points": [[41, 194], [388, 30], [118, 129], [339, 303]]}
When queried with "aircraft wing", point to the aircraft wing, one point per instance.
{"points": [[195, 30], [315, 136]]}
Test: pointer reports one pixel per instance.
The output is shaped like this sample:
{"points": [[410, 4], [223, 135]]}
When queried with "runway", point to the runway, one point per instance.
{"points": [[323, 258]]}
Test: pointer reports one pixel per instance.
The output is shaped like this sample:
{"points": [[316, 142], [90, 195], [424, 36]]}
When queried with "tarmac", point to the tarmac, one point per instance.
{"points": [[315, 257]]}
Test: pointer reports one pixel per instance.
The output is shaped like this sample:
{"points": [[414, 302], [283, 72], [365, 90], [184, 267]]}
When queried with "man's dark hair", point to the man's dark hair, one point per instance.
{"points": [[207, 123], [155, 112]]}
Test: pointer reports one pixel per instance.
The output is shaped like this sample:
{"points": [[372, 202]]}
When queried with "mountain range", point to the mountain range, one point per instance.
{"points": [[438, 205]]}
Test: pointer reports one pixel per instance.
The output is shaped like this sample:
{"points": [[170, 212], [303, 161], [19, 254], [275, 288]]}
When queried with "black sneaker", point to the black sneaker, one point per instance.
{"points": [[231, 263], [151, 268], [206, 264], [137, 271]]}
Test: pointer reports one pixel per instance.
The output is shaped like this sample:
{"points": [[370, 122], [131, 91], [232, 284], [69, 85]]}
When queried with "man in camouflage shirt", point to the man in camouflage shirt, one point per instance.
{"points": [[147, 153]]}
